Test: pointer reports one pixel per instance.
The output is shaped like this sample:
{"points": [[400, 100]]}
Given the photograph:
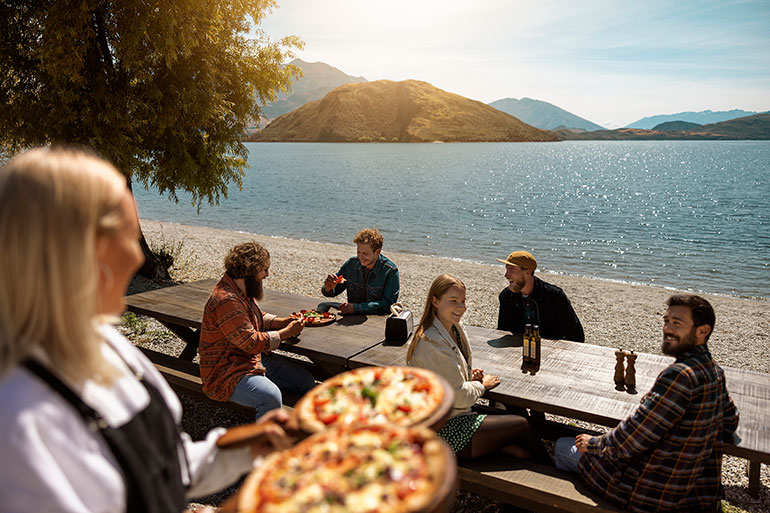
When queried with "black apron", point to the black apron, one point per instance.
{"points": [[147, 448]]}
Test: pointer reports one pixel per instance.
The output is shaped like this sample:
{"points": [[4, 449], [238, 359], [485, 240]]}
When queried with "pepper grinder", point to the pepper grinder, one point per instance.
{"points": [[631, 373], [619, 375]]}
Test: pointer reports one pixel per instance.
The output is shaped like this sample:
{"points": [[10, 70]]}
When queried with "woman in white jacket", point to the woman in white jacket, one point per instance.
{"points": [[87, 424], [440, 344]]}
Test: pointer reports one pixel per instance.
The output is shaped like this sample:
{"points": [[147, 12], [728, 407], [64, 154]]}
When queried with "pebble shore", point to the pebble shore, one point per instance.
{"points": [[613, 314]]}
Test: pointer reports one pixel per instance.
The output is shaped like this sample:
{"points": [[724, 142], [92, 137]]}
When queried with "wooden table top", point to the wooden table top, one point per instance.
{"points": [[576, 381], [335, 343]]}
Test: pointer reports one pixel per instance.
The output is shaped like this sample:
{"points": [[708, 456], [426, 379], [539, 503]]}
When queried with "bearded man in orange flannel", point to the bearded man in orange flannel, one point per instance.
{"points": [[237, 338], [667, 456]]}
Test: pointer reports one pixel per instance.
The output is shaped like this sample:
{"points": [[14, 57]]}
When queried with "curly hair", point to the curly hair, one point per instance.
{"points": [[369, 236], [246, 259]]}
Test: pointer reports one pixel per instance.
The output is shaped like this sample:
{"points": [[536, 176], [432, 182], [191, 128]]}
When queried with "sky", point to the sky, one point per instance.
{"points": [[611, 62]]}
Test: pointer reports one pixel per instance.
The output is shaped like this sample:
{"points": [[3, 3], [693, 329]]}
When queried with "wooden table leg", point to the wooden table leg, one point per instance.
{"points": [[753, 470], [189, 335]]}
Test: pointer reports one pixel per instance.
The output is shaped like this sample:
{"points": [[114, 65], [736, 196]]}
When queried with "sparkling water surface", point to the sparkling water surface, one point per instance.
{"points": [[683, 214]]}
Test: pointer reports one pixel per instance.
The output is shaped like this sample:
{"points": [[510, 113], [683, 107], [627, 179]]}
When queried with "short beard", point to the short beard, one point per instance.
{"points": [[516, 286], [253, 288], [682, 346]]}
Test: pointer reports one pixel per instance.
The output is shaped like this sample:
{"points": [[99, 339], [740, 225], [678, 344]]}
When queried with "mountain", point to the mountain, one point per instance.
{"points": [[674, 126], [745, 128], [702, 118], [542, 114], [407, 111], [319, 78]]}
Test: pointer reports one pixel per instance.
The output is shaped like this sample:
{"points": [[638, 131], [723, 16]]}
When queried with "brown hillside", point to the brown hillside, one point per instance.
{"points": [[387, 111], [756, 127]]}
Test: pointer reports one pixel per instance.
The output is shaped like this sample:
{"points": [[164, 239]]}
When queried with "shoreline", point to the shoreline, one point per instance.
{"points": [[540, 271], [613, 313]]}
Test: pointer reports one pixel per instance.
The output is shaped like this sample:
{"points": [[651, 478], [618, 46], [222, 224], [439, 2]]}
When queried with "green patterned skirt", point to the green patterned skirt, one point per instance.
{"points": [[459, 430]]}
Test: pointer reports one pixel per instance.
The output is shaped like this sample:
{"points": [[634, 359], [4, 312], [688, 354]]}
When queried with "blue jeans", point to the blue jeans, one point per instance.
{"points": [[263, 392], [565, 454]]}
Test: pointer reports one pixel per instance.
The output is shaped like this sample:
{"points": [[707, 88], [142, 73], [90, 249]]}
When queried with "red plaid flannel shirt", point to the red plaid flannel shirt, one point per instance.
{"points": [[234, 333]]}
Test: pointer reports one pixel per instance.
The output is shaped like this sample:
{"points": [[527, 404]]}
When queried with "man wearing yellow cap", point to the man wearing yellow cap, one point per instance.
{"points": [[529, 300]]}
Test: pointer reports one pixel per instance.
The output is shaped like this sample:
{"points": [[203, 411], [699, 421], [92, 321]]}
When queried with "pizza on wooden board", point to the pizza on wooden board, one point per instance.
{"points": [[314, 317], [401, 396], [356, 469]]}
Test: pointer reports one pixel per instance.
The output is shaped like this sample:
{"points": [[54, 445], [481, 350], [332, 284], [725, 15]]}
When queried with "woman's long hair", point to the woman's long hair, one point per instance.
{"points": [[53, 203], [438, 288]]}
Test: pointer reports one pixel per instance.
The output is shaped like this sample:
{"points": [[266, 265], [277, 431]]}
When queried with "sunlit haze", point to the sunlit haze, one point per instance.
{"points": [[611, 62]]}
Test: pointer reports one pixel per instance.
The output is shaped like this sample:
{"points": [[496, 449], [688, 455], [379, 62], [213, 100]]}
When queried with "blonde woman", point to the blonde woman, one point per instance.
{"points": [[440, 344], [86, 422]]}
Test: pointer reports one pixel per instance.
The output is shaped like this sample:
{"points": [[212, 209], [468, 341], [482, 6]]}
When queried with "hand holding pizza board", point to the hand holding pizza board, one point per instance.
{"points": [[336, 406], [407, 396]]}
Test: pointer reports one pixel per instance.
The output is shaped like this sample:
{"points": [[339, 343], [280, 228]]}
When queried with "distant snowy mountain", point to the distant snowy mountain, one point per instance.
{"points": [[543, 114], [703, 117]]}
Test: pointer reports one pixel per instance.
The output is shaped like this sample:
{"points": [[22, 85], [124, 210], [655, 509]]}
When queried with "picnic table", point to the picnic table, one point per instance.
{"points": [[575, 380], [180, 309]]}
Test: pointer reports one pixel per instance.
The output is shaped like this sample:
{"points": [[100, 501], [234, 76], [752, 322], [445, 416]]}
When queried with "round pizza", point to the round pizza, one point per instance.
{"points": [[401, 396], [314, 317], [357, 469]]}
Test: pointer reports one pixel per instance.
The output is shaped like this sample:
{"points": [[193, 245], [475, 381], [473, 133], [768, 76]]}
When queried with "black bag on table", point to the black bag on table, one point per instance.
{"points": [[400, 324]]}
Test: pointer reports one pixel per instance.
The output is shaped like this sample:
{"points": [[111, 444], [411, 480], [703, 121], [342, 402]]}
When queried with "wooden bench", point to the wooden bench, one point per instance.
{"points": [[529, 485], [186, 375]]}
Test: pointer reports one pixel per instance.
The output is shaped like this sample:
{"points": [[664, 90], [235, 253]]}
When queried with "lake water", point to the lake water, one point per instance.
{"points": [[684, 214]]}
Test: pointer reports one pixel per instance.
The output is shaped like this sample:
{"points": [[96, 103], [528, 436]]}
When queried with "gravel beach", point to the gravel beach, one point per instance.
{"points": [[613, 314]]}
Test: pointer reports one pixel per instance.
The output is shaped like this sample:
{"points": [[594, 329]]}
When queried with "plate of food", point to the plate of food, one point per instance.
{"points": [[402, 396], [358, 468], [314, 317]]}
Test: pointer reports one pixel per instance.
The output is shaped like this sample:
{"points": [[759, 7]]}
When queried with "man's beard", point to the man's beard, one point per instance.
{"points": [[681, 347], [517, 285], [253, 287]]}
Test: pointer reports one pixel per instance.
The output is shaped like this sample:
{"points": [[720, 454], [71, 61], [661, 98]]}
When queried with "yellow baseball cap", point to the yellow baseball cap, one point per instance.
{"points": [[523, 259]]}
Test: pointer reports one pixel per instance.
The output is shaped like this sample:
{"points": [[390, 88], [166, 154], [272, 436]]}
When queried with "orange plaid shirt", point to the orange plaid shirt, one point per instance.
{"points": [[234, 333]]}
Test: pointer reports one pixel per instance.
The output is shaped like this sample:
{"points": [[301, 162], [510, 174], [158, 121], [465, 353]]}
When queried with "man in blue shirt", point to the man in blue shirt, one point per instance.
{"points": [[370, 278]]}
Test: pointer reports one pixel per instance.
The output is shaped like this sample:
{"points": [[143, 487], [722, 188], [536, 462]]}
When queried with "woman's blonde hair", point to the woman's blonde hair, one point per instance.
{"points": [[438, 288], [53, 203]]}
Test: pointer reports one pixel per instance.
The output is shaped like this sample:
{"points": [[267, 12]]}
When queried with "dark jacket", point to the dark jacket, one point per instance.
{"points": [[374, 297], [553, 312]]}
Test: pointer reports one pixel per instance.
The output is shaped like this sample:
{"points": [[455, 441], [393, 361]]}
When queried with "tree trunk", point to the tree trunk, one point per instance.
{"points": [[155, 266]]}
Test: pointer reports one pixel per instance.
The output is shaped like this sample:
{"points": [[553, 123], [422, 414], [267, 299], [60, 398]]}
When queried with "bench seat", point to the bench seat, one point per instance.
{"points": [[529, 485]]}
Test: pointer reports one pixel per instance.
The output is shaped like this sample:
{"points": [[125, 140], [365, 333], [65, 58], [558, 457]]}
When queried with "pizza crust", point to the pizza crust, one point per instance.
{"points": [[433, 486], [424, 405]]}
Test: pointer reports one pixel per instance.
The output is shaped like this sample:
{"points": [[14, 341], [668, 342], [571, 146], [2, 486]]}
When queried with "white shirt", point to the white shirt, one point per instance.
{"points": [[438, 351], [51, 462]]}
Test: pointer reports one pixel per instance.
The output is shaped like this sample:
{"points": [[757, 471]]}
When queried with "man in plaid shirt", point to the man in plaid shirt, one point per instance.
{"points": [[237, 338], [667, 456]]}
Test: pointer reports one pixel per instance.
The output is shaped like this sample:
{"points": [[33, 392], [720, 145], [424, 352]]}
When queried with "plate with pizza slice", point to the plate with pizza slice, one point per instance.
{"points": [[314, 317], [401, 396], [356, 469]]}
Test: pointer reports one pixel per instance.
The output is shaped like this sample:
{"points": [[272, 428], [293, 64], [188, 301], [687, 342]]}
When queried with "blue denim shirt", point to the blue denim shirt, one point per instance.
{"points": [[381, 291]]}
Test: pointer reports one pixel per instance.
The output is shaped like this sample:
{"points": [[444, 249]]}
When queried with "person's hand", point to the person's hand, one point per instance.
{"points": [[292, 329], [347, 308], [477, 375], [490, 381], [275, 438], [330, 282], [581, 442]]}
